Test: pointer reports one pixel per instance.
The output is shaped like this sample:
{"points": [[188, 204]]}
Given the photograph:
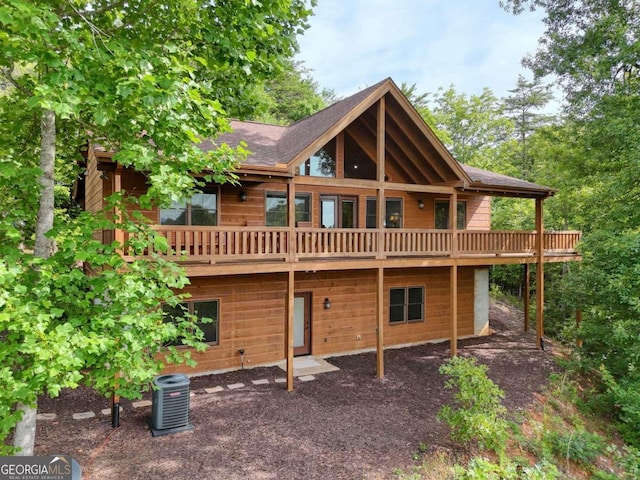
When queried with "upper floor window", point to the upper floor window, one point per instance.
{"points": [[357, 164], [276, 209], [393, 213], [203, 309], [442, 214], [322, 163], [202, 209]]}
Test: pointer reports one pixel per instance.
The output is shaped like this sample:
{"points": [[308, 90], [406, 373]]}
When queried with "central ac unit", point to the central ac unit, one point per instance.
{"points": [[170, 404]]}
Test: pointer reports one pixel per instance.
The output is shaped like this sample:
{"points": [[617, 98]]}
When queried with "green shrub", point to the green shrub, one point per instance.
{"points": [[478, 414], [578, 446], [482, 469]]}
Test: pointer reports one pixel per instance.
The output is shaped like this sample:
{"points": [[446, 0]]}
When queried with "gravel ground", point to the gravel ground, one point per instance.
{"points": [[343, 425]]}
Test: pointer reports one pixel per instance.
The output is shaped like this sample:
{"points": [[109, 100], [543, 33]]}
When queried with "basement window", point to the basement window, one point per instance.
{"points": [[201, 309], [406, 305]]}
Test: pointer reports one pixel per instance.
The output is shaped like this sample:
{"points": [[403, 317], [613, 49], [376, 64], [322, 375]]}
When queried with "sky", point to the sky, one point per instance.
{"points": [[469, 44]]}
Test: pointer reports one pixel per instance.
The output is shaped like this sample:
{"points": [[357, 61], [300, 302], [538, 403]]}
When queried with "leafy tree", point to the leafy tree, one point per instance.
{"points": [[148, 87], [521, 106], [592, 47], [477, 131], [291, 95]]}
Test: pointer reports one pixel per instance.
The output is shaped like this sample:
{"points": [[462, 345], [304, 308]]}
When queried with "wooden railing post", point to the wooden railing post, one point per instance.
{"points": [[291, 219]]}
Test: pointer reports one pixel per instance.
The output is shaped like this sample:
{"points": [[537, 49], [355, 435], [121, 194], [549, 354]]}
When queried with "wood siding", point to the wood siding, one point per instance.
{"points": [[94, 193], [251, 212], [253, 307]]}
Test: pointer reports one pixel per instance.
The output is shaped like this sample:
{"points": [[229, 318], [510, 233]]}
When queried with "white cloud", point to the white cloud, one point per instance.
{"points": [[432, 43]]}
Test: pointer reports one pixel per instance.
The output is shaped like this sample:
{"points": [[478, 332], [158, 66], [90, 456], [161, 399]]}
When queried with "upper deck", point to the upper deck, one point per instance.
{"points": [[230, 250]]}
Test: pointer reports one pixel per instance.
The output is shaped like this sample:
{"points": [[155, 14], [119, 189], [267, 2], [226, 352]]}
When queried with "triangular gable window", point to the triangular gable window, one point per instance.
{"points": [[322, 163]]}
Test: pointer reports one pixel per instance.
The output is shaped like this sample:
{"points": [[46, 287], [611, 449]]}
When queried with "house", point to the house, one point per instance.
{"points": [[351, 230]]}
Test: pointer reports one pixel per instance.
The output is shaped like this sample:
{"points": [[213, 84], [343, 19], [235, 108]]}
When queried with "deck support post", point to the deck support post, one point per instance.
{"points": [[380, 324], [527, 295], [453, 287], [453, 219], [539, 273], [380, 212], [289, 330]]}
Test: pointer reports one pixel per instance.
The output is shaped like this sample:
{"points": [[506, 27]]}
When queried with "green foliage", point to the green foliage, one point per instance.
{"points": [[291, 96], [474, 128], [578, 446], [148, 87], [521, 106], [478, 414], [63, 325], [482, 469]]}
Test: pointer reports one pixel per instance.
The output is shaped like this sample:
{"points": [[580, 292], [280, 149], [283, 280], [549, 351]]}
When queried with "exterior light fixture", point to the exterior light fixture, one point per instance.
{"points": [[420, 204], [327, 304], [243, 196]]}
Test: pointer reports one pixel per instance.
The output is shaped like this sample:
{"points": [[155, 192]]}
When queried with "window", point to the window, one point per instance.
{"points": [[393, 213], [202, 209], [442, 214], [337, 211], [406, 305], [322, 163], [371, 214], [204, 309], [276, 209], [357, 164]]}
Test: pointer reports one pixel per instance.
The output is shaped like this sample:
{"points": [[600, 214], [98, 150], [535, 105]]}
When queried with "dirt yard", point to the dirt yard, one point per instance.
{"points": [[342, 425]]}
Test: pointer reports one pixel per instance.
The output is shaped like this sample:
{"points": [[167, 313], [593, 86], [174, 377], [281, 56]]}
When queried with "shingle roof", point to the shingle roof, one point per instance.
{"points": [[496, 181], [276, 146], [263, 141]]}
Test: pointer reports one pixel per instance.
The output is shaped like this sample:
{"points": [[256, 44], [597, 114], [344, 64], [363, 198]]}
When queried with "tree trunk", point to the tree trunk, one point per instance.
{"points": [[24, 435]]}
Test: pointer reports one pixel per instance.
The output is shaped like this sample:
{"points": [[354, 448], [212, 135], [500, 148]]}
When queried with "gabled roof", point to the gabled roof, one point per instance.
{"points": [[280, 149]]}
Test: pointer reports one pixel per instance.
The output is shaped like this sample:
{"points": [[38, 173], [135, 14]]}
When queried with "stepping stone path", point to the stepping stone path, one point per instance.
{"points": [[83, 415], [107, 411], [48, 417]]}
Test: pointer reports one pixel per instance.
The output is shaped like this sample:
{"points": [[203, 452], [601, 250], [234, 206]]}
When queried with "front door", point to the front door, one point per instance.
{"points": [[302, 324]]}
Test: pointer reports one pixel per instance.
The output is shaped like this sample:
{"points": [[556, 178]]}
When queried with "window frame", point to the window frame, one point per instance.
{"points": [[387, 216], [461, 219], [189, 209], [190, 308], [406, 304], [283, 195], [370, 216]]}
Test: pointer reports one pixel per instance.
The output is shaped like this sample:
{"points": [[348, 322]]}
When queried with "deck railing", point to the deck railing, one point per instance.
{"points": [[216, 244]]}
